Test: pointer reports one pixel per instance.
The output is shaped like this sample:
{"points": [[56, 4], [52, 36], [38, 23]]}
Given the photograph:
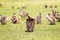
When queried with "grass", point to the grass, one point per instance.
{"points": [[17, 31]]}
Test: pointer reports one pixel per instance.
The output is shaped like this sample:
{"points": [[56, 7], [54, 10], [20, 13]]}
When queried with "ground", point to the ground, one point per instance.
{"points": [[42, 31]]}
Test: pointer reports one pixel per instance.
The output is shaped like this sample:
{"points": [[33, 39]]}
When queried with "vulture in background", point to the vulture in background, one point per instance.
{"points": [[56, 15], [51, 19], [3, 20], [30, 22], [38, 19], [23, 13], [15, 19]]}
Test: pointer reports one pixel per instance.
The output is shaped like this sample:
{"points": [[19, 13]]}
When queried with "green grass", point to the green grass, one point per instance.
{"points": [[17, 31]]}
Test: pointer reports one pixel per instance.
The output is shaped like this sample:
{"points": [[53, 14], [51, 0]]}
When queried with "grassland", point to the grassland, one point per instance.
{"points": [[42, 31]]}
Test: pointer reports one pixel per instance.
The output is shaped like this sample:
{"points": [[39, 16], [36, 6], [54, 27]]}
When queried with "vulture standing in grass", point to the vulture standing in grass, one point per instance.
{"points": [[51, 19], [56, 15], [38, 19], [23, 13], [30, 22], [3, 20], [15, 19]]}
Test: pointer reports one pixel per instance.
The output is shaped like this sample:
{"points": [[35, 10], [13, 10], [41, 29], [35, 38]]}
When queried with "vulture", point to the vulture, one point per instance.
{"points": [[23, 13], [38, 19], [15, 19], [3, 20], [30, 22], [56, 15], [51, 19]]}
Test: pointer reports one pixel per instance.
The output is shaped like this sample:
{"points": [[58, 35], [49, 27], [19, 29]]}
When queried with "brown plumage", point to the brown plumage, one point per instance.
{"points": [[3, 20], [30, 25], [23, 13], [38, 19], [51, 19], [30, 22], [15, 19], [56, 15]]}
